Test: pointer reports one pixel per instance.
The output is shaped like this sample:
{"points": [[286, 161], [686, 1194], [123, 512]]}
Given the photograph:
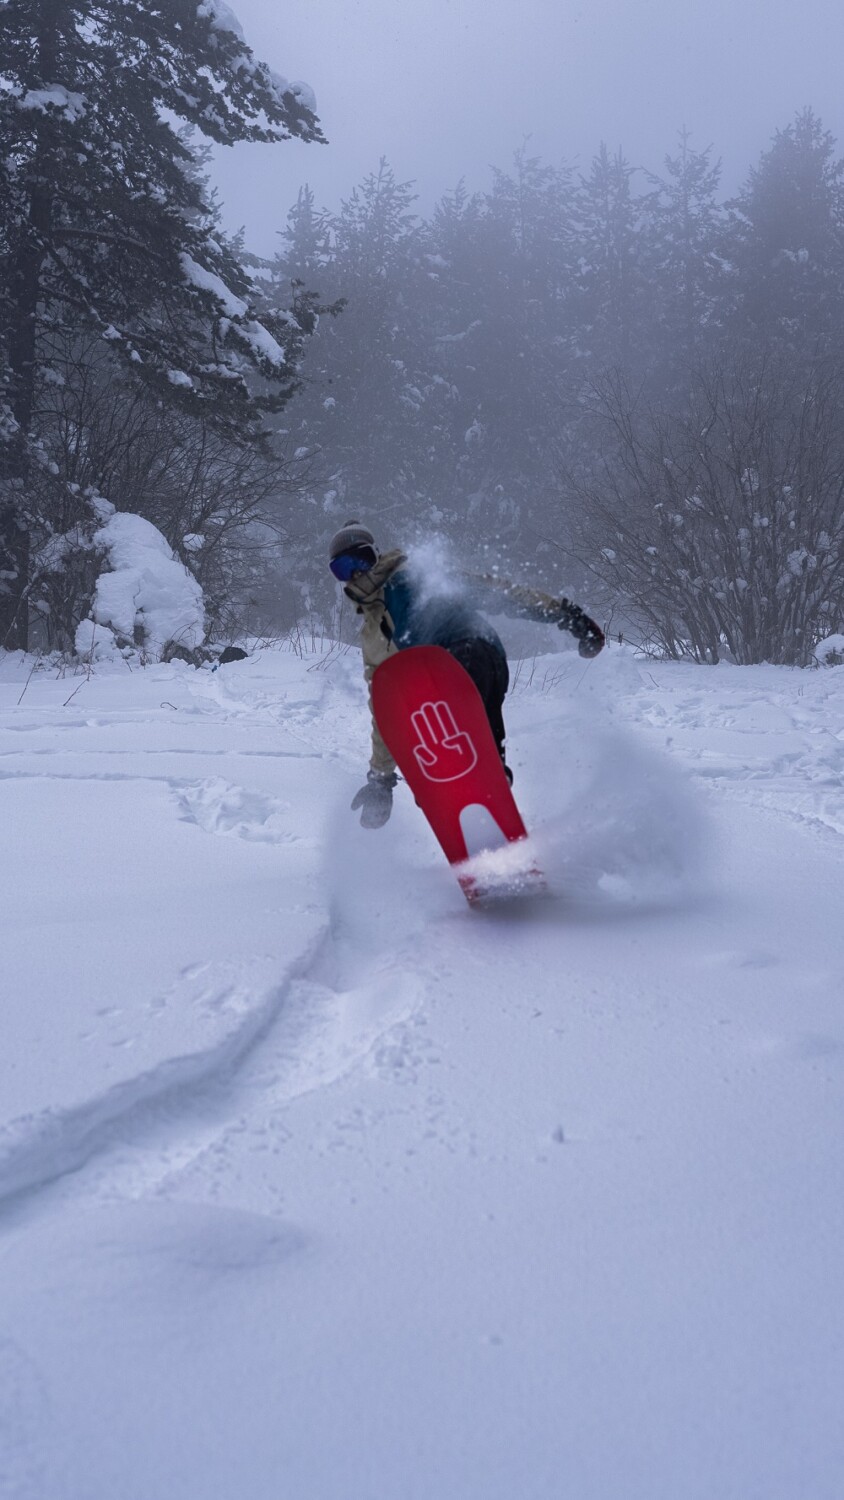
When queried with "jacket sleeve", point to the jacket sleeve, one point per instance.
{"points": [[518, 602], [366, 592], [530, 604]]}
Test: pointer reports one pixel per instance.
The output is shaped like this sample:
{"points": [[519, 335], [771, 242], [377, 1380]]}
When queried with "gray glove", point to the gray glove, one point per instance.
{"points": [[375, 799]]}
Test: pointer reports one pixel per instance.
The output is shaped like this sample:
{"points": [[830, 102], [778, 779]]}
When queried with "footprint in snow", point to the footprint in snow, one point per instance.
{"points": [[219, 807]]}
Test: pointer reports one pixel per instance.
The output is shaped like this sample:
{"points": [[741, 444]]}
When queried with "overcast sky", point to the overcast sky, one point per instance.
{"points": [[446, 88]]}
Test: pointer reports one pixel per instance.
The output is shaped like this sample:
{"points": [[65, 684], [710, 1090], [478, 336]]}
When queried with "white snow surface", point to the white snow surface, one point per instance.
{"points": [[315, 1182], [145, 586]]}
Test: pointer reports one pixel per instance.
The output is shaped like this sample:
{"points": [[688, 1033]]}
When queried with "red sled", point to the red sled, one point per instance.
{"points": [[433, 721]]}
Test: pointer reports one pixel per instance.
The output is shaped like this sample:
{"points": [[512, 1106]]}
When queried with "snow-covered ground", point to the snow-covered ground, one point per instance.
{"points": [[316, 1184]]}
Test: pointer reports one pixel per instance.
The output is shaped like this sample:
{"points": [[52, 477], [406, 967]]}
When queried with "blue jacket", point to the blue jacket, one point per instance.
{"points": [[442, 619]]}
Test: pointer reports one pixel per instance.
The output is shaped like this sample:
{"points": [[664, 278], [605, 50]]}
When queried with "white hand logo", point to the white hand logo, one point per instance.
{"points": [[444, 752]]}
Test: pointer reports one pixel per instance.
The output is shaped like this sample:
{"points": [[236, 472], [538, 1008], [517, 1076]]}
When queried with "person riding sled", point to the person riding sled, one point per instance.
{"points": [[401, 608]]}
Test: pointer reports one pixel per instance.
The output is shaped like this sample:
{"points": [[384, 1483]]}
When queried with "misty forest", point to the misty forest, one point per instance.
{"points": [[608, 380]]}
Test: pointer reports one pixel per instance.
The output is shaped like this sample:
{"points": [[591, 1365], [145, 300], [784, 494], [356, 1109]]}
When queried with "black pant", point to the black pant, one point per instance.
{"points": [[487, 667]]}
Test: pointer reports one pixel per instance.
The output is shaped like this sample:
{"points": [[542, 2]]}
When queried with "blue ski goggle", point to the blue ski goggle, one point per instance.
{"points": [[346, 564]]}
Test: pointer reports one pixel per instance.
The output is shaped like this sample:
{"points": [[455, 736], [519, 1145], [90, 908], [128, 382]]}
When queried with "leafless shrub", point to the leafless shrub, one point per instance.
{"points": [[722, 527]]}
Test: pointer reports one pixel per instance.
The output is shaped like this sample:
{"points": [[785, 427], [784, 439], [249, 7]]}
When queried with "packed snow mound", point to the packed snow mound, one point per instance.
{"points": [[831, 651], [96, 642], [147, 597]]}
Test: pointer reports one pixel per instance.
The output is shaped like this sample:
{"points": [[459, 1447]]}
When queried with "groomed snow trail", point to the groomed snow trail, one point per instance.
{"points": [[533, 1203]]}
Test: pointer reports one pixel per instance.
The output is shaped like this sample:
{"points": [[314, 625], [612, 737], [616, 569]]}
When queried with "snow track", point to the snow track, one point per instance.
{"points": [[36, 1150], [315, 1182]]}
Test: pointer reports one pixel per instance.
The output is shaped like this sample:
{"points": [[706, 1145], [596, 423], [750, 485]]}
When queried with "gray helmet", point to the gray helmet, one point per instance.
{"points": [[352, 535]]}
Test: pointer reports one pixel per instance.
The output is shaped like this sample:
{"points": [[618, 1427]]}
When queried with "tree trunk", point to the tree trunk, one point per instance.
{"points": [[25, 285]]}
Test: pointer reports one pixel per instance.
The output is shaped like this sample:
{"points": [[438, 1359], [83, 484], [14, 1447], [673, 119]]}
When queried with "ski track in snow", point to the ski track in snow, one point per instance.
{"points": [[317, 1032], [36, 1152], [304, 1035]]}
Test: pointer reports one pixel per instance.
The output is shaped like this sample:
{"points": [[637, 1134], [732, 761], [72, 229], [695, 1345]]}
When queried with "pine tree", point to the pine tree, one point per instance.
{"points": [[684, 228], [609, 279], [787, 241], [503, 337], [364, 390], [457, 255], [106, 228], [531, 236], [306, 244]]}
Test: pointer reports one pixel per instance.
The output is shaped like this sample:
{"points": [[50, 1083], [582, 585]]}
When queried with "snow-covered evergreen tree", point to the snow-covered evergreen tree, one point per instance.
{"points": [[106, 228]]}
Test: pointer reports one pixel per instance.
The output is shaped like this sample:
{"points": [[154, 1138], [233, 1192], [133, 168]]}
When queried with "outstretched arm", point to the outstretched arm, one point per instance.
{"points": [[531, 604]]}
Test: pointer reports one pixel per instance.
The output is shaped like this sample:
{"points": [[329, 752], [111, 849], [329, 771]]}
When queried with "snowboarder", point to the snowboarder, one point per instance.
{"points": [[401, 608]]}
